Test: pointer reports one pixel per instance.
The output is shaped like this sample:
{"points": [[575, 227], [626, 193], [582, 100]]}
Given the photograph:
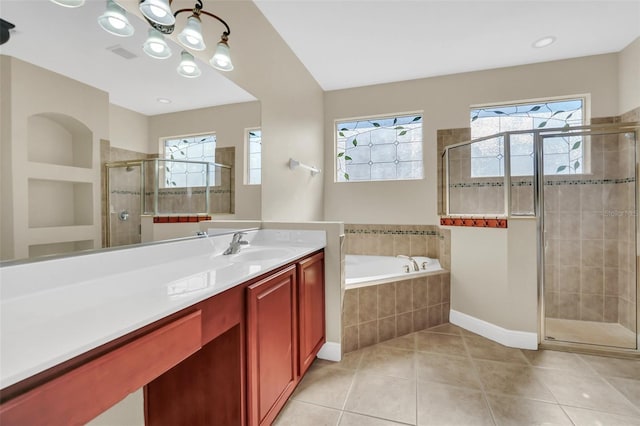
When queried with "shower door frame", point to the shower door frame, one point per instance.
{"points": [[108, 167], [538, 202]]}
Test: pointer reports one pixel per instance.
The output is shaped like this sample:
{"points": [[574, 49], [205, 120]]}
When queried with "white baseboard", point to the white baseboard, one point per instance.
{"points": [[511, 338], [330, 351]]}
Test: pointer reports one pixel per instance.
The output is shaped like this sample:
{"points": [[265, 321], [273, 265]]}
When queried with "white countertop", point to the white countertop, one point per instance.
{"points": [[54, 310]]}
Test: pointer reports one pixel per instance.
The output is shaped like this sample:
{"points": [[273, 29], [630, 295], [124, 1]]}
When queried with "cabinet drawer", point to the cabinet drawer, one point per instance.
{"points": [[88, 390]]}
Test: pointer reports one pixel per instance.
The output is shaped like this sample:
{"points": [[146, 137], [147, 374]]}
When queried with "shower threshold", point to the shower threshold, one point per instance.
{"points": [[590, 332]]}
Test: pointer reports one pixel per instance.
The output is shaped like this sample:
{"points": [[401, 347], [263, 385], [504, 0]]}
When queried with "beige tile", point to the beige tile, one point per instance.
{"points": [[447, 369], [352, 419], [446, 329], [520, 411], [350, 308], [558, 360], [584, 417], [435, 315], [614, 367], [367, 304], [404, 323], [511, 379], [482, 348], [440, 343], [297, 413], [420, 293], [434, 290], [389, 361], [367, 334], [325, 386], [404, 296], [406, 342], [629, 388], [440, 404], [386, 328], [585, 392], [386, 300], [420, 319], [399, 398], [350, 338]]}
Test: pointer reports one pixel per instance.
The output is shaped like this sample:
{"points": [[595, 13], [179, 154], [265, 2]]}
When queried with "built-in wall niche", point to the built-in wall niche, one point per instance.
{"points": [[59, 139], [38, 250], [59, 203]]}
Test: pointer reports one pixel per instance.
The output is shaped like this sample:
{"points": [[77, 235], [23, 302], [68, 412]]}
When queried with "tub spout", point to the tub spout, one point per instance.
{"points": [[412, 260]]}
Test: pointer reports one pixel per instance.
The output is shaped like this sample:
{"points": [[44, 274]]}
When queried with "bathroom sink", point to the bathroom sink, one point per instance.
{"points": [[261, 254]]}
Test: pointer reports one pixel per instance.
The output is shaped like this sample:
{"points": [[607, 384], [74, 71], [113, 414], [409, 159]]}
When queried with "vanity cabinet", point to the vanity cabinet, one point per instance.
{"points": [[230, 360], [311, 321], [271, 344]]}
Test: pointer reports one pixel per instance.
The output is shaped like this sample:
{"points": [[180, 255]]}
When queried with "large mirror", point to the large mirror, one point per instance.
{"points": [[79, 104]]}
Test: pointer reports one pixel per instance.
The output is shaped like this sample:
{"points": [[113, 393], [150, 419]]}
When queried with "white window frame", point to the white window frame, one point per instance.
{"points": [[247, 157], [338, 174]]}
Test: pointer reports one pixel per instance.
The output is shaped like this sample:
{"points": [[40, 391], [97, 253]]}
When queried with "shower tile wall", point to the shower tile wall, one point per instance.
{"points": [[590, 237]]}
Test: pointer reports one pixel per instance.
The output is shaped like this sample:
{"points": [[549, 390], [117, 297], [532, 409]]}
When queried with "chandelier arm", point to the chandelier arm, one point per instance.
{"points": [[228, 30]]}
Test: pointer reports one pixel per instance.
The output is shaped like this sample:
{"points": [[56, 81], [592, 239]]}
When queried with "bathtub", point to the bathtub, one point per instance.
{"points": [[362, 271]]}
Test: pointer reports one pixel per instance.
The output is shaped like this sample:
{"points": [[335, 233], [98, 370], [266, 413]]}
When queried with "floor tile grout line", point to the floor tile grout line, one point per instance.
{"points": [[477, 376]]}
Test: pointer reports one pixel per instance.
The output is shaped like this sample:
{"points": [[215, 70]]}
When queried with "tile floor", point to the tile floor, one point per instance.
{"points": [[448, 376]]}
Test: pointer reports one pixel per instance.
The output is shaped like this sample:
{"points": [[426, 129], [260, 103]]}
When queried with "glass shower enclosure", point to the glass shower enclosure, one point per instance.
{"points": [[161, 187], [580, 184]]}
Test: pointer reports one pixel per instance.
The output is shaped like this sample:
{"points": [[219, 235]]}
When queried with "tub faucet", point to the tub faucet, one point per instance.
{"points": [[412, 260], [236, 242]]}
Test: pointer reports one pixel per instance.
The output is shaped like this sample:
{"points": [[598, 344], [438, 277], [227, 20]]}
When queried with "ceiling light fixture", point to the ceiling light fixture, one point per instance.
{"points": [[68, 3], [188, 67], [158, 15], [164, 100], [544, 42], [114, 20], [156, 46]]}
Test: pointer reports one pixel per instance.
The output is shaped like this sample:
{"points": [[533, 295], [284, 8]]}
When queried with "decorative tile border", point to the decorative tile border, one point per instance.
{"points": [[547, 182], [389, 232], [180, 219], [474, 222], [164, 192]]}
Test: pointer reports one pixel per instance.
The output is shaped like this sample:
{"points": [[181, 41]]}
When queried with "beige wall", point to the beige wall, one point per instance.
{"points": [[292, 112], [629, 77], [229, 123], [128, 129], [498, 283], [445, 102], [38, 98]]}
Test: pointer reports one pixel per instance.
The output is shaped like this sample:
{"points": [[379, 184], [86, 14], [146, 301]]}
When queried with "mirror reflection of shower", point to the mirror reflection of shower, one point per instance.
{"points": [[162, 187]]}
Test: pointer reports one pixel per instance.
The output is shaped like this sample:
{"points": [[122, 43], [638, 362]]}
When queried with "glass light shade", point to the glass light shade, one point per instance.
{"points": [[188, 67], [68, 3], [156, 46], [157, 11], [191, 35], [114, 20], [221, 59]]}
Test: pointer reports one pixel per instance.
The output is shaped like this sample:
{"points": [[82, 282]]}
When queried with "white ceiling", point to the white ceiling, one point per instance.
{"points": [[342, 43]]}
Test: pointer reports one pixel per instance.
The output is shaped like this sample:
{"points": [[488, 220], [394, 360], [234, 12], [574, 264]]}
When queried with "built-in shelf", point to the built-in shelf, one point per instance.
{"points": [[59, 139], [59, 203]]}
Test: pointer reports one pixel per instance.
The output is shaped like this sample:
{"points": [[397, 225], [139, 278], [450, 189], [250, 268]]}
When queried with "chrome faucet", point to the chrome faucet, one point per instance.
{"points": [[236, 242], [412, 260]]}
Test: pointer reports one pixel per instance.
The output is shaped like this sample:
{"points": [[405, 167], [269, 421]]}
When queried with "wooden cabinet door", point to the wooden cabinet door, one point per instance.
{"points": [[310, 309], [271, 345]]}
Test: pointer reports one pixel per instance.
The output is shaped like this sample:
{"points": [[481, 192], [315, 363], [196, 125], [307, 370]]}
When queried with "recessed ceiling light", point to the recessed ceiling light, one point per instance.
{"points": [[544, 41], [164, 100]]}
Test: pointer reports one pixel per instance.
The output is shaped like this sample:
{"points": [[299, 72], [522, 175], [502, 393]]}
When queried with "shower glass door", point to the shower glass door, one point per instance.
{"points": [[124, 203], [589, 237]]}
